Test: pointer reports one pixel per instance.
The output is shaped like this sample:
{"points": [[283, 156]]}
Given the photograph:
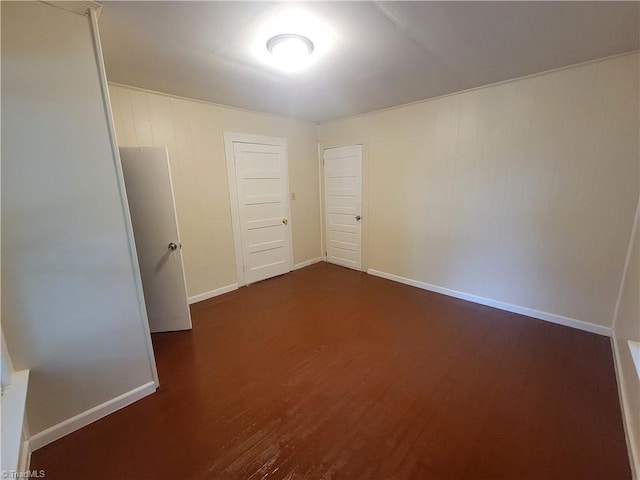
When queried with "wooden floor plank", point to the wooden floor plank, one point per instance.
{"points": [[327, 373]]}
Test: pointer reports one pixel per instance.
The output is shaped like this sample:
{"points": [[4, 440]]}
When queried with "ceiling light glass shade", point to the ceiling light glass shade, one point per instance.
{"points": [[290, 49], [291, 39]]}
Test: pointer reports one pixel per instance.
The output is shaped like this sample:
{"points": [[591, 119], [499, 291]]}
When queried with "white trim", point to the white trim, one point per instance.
{"points": [[488, 85], [6, 367], [82, 7], [634, 350], [625, 406], [321, 192], [207, 102], [356, 115], [133, 255], [235, 213], [306, 263], [24, 460], [13, 406], [529, 312], [235, 137], [83, 419], [212, 293], [360, 156], [626, 265]]}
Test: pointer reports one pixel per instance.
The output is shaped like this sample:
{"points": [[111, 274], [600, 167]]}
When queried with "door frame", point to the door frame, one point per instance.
{"points": [[117, 163], [323, 209], [236, 137]]}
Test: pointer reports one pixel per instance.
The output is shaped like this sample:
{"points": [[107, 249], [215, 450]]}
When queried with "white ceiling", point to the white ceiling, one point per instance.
{"points": [[382, 54]]}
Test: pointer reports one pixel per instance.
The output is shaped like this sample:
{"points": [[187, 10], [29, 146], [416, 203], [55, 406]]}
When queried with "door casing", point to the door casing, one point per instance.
{"points": [[235, 137], [357, 148]]}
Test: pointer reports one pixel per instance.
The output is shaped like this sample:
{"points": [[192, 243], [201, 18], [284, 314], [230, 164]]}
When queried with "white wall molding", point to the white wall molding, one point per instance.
{"points": [[117, 162], [203, 102], [321, 193], [81, 7], [213, 293], [24, 460], [488, 85], [625, 269], [14, 400], [625, 406], [306, 263], [229, 139], [72, 424], [529, 312]]}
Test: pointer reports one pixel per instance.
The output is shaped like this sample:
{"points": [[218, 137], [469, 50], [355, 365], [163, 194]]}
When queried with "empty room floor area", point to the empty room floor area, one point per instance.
{"points": [[331, 373]]}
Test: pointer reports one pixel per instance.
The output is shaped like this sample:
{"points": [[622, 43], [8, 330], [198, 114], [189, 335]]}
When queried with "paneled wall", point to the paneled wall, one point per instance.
{"points": [[72, 307], [522, 192], [193, 132]]}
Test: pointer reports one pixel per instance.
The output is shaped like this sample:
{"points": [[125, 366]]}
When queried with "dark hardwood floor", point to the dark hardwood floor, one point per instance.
{"points": [[327, 373]]}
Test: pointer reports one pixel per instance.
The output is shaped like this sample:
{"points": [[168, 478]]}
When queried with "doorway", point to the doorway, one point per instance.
{"points": [[343, 205], [258, 176]]}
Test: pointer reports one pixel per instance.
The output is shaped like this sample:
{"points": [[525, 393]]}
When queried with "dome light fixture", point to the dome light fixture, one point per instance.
{"points": [[291, 40], [290, 49]]}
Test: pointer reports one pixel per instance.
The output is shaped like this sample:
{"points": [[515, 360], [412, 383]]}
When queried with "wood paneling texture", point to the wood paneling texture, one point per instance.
{"points": [[193, 133], [523, 192], [331, 373]]}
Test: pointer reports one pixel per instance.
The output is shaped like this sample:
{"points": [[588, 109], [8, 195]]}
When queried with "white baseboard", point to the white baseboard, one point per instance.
{"points": [[300, 265], [52, 434], [24, 460], [529, 312], [14, 401], [625, 407], [234, 286], [213, 293]]}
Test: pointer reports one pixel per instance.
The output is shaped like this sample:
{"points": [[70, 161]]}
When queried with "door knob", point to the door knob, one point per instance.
{"points": [[285, 221], [173, 246], [358, 217]]}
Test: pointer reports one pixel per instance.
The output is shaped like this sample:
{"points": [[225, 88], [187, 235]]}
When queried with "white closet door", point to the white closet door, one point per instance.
{"points": [[155, 228], [263, 204], [343, 205]]}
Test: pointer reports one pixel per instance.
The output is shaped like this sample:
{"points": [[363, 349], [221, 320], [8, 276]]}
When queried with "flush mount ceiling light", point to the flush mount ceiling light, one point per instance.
{"points": [[290, 45], [291, 40]]}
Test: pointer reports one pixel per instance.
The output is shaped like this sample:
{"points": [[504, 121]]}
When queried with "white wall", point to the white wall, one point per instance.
{"points": [[627, 327], [522, 192], [71, 309], [193, 133]]}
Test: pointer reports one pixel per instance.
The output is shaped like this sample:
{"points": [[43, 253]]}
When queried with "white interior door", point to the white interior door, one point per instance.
{"points": [[155, 228], [343, 205], [264, 211]]}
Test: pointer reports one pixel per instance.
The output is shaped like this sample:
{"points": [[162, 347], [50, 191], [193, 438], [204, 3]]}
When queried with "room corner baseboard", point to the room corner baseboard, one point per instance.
{"points": [[213, 293], [529, 312], [306, 263], [83, 419], [625, 407], [25, 456]]}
